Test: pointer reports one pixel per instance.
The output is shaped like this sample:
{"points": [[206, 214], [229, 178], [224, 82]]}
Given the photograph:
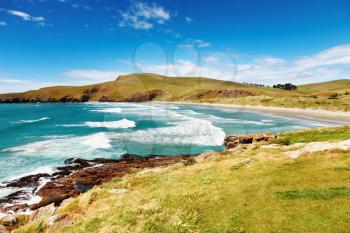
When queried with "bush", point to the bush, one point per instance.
{"points": [[189, 162], [333, 96], [347, 93], [283, 141]]}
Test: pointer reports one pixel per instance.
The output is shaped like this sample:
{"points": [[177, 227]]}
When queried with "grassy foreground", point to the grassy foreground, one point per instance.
{"points": [[248, 189]]}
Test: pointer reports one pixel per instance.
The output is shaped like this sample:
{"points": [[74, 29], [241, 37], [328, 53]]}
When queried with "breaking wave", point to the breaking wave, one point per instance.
{"points": [[31, 121]]}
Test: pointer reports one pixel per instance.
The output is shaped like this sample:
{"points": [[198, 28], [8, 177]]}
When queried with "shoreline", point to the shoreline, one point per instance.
{"points": [[76, 176], [335, 117]]}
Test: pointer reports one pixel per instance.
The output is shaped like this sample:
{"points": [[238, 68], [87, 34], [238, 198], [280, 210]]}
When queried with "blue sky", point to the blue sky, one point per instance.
{"points": [[76, 42]]}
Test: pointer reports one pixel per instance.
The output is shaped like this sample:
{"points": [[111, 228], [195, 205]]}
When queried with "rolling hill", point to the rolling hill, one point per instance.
{"points": [[124, 87], [154, 87]]}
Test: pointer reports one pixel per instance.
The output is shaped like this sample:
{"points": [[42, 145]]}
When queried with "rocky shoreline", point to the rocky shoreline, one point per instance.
{"points": [[79, 175], [75, 177]]}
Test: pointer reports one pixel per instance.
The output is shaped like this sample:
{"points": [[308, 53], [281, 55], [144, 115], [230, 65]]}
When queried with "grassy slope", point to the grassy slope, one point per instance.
{"points": [[182, 88], [124, 86], [332, 86], [224, 193]]}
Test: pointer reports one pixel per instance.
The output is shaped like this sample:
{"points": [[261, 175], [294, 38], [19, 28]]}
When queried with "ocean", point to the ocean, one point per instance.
{"points": [[36, 138]]}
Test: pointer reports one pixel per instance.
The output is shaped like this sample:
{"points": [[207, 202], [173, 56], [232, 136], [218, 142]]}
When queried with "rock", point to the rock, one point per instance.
{"points": [[106, 99], [64, 204], [43, 212], [32, 180], [233, 141], [9, 220], [61, 219], [118, 191], [212, 94], [3, 229], [78, 176], [145, 96]]}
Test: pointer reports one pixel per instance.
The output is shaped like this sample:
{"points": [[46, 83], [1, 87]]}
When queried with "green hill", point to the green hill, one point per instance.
{"points": [[153, 87], [174, 88], [331, 86]]}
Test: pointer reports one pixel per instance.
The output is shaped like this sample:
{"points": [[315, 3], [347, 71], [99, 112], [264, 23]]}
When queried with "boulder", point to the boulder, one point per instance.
{"points": [[61, 219], [145, 96], [43, 212], [9, 220], [3, 229], [233, 141]]}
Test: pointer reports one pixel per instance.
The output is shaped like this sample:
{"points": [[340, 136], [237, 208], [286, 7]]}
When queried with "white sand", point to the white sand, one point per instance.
{"points": [[311, 114]]}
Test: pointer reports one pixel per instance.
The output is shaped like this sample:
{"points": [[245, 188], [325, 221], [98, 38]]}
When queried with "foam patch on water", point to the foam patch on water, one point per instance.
{"points": [[121, 124], [65, 147], [97, 141], [39, 170], [31, 121], [108, 110], [192, 132]]}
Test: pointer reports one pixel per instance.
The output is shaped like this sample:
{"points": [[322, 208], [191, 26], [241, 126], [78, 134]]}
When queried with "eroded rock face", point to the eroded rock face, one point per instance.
{"points": [[233, 141], [145, 96], [38, 99], [212, 94]]}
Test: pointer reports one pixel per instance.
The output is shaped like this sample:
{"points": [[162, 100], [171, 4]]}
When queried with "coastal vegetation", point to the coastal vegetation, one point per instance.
{"points": [[250, 188]]}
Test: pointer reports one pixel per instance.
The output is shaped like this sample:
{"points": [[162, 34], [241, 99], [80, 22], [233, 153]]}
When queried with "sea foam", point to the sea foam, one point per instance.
{"points": [[108, 110], [31, 121], [121, 124]]}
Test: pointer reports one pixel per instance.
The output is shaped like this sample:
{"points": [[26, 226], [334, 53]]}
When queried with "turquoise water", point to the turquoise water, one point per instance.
{"points": [[39, 137]]}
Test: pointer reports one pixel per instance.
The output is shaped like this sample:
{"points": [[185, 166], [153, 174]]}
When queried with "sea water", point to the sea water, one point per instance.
{"points": [[36, 138]]}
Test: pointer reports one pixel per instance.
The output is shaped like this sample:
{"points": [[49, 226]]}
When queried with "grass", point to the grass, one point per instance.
{"points": [[314, 135], [321, 194], [244, 190]]}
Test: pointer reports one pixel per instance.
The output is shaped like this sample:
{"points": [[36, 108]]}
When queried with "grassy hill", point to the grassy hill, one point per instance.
{"points": [[147, 87], [247, 189], [331, 86], [175, 88]]}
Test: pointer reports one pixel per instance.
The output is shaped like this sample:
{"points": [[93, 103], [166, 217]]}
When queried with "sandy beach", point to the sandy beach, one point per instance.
{"points": [[326, 116]]}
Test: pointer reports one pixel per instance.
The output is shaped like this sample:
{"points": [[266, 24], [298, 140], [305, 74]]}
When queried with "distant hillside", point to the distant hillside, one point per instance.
{"points": [[142, 87], [331, 86], [334, 95]]}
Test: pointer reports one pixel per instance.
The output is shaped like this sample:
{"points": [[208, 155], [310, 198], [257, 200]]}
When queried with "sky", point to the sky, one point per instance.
{"points": [[78, 42]]}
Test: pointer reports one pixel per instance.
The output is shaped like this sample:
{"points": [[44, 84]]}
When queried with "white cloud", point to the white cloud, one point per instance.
{"points": [[3, 23], [144, 16], [188, 19], [339, 55], [268, 60], [9, 81], [199, 43], [330, 64], [91, 76], [25, 16]]}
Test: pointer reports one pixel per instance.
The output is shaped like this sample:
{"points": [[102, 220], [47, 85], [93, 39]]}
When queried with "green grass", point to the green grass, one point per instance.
{"points": [[314, 135], [340, 86], [244, 190], [320, 194], [342, 168]]}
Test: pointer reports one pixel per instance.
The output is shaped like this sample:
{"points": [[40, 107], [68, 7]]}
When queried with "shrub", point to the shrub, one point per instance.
{"points": [[189, 162], [333, 96], [283, 141]]}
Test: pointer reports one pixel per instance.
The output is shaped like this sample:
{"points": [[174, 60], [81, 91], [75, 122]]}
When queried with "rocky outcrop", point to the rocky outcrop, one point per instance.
{"points": [[106, 99], [78, 176], [233, 141], [212, 94], [64, 99], [144, 96]]}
